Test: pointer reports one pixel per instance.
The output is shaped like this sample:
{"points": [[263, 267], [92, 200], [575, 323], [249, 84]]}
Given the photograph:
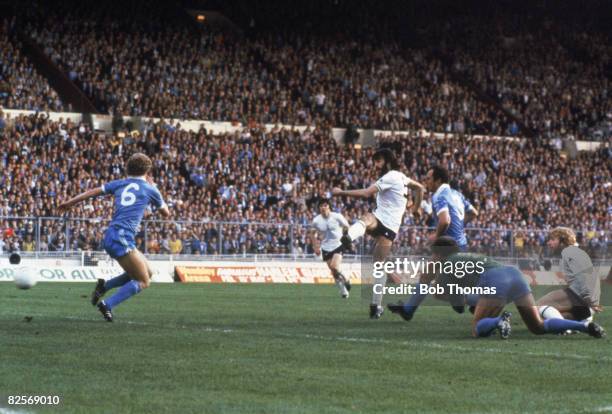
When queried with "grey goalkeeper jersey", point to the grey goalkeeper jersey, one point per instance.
{"points": [[581, 277]]}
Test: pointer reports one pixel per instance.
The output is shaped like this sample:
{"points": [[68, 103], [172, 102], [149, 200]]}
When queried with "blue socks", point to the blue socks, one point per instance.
{"points": [[125, 292], [415, 300], [486, 326], [117, 281], [562, 325]]}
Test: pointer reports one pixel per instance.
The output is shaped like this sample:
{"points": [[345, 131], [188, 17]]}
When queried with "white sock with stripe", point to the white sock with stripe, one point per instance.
{"points": [[549, 312]]}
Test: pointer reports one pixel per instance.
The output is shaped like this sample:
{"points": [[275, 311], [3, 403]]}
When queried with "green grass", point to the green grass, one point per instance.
{"points": [[282, 349]]}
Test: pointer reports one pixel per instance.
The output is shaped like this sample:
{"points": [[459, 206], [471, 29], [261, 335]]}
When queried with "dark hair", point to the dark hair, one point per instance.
{"points": [[323, 202], [138, 165], [440, 173], [14, 259], [444, 246], [387, 155]]}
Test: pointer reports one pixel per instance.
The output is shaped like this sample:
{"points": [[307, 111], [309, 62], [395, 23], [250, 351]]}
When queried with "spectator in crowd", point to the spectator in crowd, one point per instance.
{"points": [[28, 244], [175, 244]]}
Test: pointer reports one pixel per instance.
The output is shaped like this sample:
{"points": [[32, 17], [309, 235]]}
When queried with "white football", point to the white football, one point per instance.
{"points": [[25, 278]]}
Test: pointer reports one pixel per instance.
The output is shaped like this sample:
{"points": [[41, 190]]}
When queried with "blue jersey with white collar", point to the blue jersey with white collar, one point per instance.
{"points": [[447, 199], [132, 197]]}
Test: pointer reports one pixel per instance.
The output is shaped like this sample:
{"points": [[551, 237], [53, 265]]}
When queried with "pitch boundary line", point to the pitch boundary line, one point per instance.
{"points": [[431, 345], [437, 345]]}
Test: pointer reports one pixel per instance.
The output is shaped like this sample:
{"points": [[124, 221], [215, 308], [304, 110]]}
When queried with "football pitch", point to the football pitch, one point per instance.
{"points": [[282, 349]]}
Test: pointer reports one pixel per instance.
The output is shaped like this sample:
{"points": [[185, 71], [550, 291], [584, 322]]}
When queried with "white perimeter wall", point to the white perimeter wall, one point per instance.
{"points": [[70, 270], [104, 122]]}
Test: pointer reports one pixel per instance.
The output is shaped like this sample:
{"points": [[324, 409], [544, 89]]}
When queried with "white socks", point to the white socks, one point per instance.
{"points": [[357, 230], [549, 312], [342, 288], [379, 283]]}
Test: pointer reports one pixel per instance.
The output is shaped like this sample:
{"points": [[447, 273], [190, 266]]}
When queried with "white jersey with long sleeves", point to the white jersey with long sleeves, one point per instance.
{"points": [[331, 228], [391, 199]]}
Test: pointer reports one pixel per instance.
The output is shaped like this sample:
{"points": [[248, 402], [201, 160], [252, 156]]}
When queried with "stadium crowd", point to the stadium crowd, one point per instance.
{"points": [[527, 67], [198, 74], [21, 87], [277, 177], [142, 59], [370, 79]]}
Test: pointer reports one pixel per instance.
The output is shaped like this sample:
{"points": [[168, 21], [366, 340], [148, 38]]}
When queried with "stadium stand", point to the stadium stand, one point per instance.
{"points": [[277, 177], [156, 62], [20, 85]]}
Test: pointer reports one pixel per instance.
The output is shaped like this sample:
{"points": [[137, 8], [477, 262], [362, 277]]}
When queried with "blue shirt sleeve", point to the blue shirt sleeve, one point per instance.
{"points": [[440, 203], [156, 197], [110, 188], [467, 206]]}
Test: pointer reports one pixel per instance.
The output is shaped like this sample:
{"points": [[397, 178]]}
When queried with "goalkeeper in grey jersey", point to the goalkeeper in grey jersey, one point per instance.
{"points": [[580, 299]]}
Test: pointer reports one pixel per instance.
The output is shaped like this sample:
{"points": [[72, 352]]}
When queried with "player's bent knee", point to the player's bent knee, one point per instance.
{"points": [[384, 242], [369, 220]]}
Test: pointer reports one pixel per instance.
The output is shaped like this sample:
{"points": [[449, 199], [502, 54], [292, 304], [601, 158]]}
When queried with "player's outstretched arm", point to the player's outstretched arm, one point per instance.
{"points": [[470, 215], [164, 211], [363, 193], [67, 205]]}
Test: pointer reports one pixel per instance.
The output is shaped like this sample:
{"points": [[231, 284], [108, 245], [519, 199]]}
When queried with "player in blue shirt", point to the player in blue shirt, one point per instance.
{"points": [[451, 211], [132, 197]]}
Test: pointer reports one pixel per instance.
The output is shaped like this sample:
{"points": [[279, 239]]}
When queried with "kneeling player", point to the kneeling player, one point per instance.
{"points": [[580, 298], [505, 284], [331, 225]]}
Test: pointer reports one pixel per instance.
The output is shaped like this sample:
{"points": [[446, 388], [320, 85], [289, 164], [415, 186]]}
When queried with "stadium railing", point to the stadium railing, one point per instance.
{"points": [[60, 236]]}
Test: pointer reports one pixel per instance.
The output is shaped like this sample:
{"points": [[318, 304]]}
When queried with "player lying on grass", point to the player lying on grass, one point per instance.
{"points": [[331, 225], [504, 284], [132, 197], [391, 191], [580, 299]]}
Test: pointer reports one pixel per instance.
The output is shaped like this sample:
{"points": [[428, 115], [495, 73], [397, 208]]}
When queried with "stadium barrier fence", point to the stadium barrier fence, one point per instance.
{"points": [[203, 240]]}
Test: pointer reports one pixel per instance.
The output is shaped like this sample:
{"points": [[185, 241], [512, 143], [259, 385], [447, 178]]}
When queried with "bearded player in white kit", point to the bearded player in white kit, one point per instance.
{"points": [[331, 225], [384, 222]]}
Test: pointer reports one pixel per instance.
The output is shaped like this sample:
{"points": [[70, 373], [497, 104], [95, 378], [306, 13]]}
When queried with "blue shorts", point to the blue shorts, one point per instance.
{"points": [[508, 282], [118, 242]]}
